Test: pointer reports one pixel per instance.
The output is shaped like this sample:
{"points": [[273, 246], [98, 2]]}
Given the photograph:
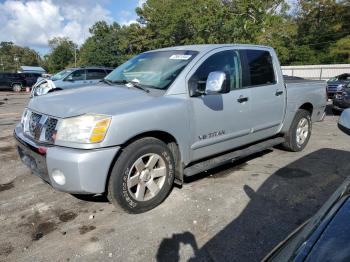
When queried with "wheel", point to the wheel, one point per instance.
{"points": [[17, 87], [299, 132], [142, 176]]}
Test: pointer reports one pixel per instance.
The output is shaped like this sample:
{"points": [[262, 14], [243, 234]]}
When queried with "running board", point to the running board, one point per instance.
{"points": [[232, 156]]}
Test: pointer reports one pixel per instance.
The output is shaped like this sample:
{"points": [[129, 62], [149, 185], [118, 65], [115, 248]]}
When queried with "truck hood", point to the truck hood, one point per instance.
{"points": [[99, 99]]}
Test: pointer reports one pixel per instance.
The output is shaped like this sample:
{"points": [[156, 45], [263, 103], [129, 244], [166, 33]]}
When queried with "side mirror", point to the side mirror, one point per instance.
{"points": [[216, 83], [69, 78], [344, 121]]}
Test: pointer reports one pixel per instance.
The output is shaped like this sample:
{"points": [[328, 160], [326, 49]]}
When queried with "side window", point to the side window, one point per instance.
{"points": [[95, 74], [78, 75], [225, 61], [258, 68]]}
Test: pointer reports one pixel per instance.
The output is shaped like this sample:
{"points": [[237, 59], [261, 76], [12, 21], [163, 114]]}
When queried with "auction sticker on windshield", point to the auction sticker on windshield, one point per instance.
{"points": [[180, 57]]}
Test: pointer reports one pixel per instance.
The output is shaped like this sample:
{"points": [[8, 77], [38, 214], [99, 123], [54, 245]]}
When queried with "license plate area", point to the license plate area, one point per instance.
{"points": [[28, 160], [35, 161]]}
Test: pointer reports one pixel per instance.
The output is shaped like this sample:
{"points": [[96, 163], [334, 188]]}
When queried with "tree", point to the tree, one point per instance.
{"points": [[105, 47], [340, 51], [321, 23], [61, 54], [13, 56], [166, 23]]}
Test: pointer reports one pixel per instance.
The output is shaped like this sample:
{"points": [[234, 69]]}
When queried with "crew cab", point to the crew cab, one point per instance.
{"points": [[163, 115]]}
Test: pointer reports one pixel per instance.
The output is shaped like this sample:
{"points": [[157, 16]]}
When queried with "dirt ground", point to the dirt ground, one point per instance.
{"points": [[237, 212]]}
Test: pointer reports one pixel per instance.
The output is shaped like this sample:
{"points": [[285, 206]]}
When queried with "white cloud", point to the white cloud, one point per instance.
{"points": [[141, 3], [126, 17], [33, 23]]}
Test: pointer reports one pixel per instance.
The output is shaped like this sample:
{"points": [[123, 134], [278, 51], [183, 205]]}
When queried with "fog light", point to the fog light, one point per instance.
{"points": [[58, 177]]}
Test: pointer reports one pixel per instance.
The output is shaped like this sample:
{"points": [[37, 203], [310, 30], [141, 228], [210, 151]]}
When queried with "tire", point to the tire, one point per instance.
{"points": [[16, 88], [132, 185], [295, 142]]}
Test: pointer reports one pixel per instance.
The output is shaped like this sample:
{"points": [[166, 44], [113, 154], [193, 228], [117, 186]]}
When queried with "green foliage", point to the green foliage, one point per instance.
{"points": [[103, 47], [13, 56], [61, 55]]}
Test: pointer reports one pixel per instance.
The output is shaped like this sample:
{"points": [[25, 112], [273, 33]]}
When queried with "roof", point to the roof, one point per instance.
{"points": [[208, 47], [32, 69]]}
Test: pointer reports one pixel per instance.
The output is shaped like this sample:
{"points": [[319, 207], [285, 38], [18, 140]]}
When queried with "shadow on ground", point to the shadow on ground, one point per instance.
{"points": [[284, 201]]}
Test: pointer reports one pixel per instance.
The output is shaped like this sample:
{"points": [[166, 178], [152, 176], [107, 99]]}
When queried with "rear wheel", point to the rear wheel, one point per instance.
{"points": [[142, 177], [299, 132], [17, 87]]}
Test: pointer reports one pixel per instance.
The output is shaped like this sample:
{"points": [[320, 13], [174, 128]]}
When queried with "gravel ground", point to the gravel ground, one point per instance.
{"points": [[237, 212]]}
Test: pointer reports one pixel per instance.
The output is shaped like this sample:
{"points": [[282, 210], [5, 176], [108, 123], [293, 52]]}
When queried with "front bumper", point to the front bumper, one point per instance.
{"points": [[85, 171]]}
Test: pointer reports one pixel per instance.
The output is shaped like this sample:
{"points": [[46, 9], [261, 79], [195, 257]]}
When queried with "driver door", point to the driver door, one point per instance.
{"points": [[76, 79], [220, 121]]}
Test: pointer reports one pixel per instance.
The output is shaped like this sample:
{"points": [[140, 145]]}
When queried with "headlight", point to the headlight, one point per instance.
{"points": [[24, 117], [340, 87], [85, 129], [42, 89]]}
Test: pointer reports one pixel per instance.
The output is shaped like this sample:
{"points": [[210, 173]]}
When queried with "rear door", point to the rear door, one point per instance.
{"points": [[268, 96], [94, 75]]}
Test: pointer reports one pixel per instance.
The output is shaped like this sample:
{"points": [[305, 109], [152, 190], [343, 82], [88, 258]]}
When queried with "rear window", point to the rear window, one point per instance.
{"points": [[95, 74], [259, 68]]}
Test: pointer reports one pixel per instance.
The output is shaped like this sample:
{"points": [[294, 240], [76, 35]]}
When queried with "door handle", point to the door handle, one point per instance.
{"points": [[242, 99], [278, 93]]}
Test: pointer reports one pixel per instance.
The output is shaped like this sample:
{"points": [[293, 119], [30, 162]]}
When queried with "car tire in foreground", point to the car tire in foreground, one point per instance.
{"points": [[299, 132], [142, 176]]}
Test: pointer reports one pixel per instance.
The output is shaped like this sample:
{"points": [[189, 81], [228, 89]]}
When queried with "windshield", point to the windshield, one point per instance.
{"points": [[155, 69], [61, 74]]}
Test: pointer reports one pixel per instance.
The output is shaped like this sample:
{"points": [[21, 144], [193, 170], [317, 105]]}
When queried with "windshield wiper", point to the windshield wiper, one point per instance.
{"points": [[106, 81], [131, 84]]}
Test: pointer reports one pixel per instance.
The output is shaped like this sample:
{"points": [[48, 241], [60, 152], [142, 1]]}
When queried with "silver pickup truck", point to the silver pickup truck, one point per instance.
{"points": [[164, 115]]}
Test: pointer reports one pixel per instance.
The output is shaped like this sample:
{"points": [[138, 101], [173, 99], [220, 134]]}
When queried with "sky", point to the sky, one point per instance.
{"points": [[33, 22]]}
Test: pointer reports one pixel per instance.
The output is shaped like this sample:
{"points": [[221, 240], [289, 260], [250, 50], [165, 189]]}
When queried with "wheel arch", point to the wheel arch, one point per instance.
{"points": [[163, 136], [308, 107]]}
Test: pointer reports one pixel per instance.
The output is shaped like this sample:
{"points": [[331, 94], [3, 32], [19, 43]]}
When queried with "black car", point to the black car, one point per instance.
{"points": [[326, 236], [341, 100], [30, 78], [11, 81]]}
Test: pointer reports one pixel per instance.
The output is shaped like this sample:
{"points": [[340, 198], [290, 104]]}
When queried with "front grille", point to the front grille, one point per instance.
{"points": [[34, 121], [40, 127], [50, 129]]}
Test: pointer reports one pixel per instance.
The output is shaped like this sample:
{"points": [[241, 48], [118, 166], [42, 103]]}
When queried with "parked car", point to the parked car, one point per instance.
{"points": [[326, 236], [336, 84], [11, 81], [163, 115], [341, 100], [70, 78], [30, 78]]}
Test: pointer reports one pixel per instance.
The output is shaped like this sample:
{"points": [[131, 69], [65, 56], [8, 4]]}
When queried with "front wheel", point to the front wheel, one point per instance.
{"points": [[17, 88], [142, 177], [299, 132]]}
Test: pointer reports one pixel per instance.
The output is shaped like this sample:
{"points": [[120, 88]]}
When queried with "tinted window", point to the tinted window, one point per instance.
{"points": [[78, 75], [259, 68], [95, 74], [226, 61]]}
